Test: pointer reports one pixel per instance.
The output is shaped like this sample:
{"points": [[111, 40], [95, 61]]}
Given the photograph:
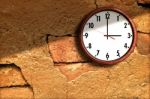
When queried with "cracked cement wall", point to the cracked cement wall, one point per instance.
{"points": [[13, 84], [40, 57]]}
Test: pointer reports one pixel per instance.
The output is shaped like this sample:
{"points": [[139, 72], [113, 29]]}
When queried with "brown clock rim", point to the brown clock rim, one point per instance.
{"points": [[131, 49]]}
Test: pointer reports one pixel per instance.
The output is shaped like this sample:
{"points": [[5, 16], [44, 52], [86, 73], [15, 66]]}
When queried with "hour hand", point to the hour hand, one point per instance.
{"points": [[113, 35]]}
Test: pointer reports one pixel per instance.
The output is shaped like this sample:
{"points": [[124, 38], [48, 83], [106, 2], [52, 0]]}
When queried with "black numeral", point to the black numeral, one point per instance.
{"points": [[125, 45], [125, 25], [91, 25], [97, 52], [107, 56], [98, 18], [89, 46], [86, 35], [118, 53], [129, 35], [118, 17], [107, 15]]}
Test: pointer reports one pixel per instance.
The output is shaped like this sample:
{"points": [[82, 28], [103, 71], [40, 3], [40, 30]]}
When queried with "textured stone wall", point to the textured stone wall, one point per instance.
{"points": [[40, 57]]}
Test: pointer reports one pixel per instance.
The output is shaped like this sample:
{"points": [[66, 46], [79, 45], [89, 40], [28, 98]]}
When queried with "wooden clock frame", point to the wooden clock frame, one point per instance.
{"points": [[83, 23]]}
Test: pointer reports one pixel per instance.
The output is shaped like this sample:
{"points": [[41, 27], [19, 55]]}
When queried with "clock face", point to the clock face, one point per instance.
{"points": [[107, 36]]}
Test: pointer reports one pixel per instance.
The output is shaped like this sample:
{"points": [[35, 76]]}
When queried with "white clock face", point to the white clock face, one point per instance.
{"points": [[107, 35]]}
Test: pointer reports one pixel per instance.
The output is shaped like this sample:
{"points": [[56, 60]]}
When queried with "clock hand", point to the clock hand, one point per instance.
{"points": [[108, 36], [107, 28], [113, 35]]}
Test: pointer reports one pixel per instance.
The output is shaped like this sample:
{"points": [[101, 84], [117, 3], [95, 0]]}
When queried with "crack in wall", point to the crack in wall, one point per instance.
{"points": [[56, 64], [27, 85], [60, 64], [46, 40], [95, 2], [143, 32], [67, 63], [145, 5], [14, 86], [66, 35]]}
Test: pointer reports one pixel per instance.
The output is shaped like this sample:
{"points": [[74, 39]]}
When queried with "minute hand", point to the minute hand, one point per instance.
{"points": [[107, 28]]}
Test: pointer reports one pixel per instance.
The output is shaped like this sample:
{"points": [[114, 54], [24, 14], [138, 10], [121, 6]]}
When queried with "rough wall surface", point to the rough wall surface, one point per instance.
{"points": [[40, 57]]}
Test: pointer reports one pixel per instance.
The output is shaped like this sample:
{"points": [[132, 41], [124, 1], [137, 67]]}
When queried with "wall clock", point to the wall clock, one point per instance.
{"points": [[107, 35]]}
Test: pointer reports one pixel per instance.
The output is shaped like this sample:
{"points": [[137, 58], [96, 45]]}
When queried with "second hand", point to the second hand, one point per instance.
{"points": [[106, 35]]}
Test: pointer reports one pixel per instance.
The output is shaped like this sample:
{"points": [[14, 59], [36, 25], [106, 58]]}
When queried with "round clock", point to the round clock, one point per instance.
{"points": [[107, 35]]}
